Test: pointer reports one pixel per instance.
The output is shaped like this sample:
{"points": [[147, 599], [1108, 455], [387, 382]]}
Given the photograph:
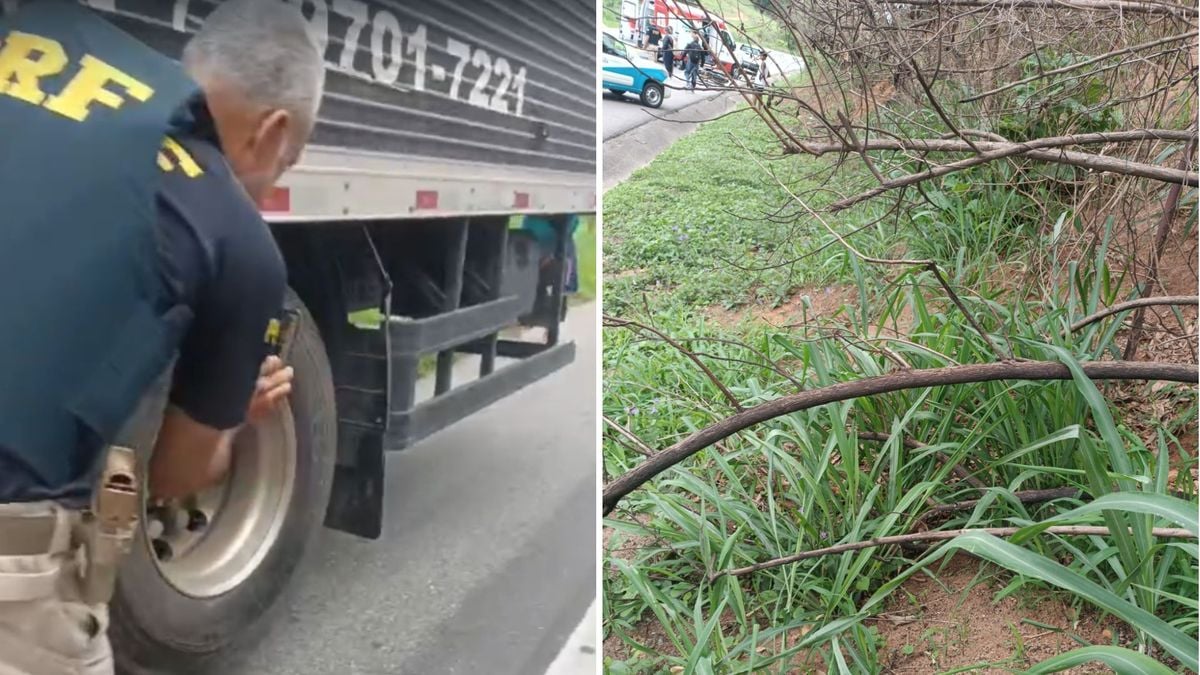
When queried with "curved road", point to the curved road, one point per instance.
{"points": [[487, 561], [624, 113]]}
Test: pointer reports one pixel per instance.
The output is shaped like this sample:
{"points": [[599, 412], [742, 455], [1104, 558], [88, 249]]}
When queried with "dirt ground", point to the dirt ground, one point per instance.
{"points": [[825, 302], [933, 626]]}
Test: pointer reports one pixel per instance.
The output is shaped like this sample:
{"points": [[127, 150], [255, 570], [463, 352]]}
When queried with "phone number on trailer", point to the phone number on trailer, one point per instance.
{"points": [[473, 75], [398, 57]]}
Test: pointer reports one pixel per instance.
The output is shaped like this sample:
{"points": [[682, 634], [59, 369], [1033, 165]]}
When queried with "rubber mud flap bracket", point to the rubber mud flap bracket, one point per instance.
{"points": [[356, 501]]}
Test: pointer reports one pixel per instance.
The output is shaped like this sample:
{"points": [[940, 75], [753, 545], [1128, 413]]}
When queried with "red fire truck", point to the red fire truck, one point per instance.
{"points": [[639, 17]]}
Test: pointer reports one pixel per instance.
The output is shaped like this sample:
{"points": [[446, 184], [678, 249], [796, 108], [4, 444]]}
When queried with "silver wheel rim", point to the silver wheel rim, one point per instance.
{"points": [[654, 96], [210, 543]]}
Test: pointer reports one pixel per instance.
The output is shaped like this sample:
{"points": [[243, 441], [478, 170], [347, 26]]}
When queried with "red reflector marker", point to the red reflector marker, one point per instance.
{"points": [[520, 200], [427, 199], [279, 200]]}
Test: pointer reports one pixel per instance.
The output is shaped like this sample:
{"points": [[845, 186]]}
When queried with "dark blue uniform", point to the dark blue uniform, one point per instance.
{"points": [[213, 277]]}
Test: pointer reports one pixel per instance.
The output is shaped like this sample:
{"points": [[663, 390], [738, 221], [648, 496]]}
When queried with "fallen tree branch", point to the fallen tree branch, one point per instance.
{"points": [[991, 154], [1134, 304], [638, 444], [911, 444], [1094, 5], [618, 322], [958, 145], [998, 347], [1076, 530], [1160, 243], [1081, 64], [1023, 496], [616, 490]]}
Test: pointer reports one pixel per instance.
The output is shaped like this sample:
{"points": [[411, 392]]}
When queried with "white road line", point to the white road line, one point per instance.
{"points": [[580, 655]]}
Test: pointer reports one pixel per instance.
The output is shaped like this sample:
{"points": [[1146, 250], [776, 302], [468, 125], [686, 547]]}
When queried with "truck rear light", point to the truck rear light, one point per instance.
{"points": [[520, 200], [427, 199], [278, 200]]}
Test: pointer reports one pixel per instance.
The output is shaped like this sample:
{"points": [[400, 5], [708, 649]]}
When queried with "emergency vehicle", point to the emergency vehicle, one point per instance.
{"points": [[637, 16]]}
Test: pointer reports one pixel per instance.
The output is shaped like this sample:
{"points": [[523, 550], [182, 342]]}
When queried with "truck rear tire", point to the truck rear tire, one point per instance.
{"points": [[184, 594], [652, 95]]}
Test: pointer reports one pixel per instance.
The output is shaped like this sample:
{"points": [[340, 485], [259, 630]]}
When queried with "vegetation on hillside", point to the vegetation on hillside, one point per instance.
{"points": [[818, 242]]}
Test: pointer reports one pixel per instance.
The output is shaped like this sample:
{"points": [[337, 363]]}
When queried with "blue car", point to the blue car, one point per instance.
{"points": [[625, 72]]}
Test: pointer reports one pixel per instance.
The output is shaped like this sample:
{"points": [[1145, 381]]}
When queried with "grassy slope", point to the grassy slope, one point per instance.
{"points": [[802, 481], [670, 226]]}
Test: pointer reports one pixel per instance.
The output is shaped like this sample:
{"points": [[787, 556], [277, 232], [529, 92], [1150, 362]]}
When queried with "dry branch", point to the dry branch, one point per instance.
{"points": [[619, 322], [616, 490], [1160, 242], [1074, 530], [911, 444], [1023, 496], [1093, 5], [990, 153], [638, 444], [1134, 304], [1077, 66]]}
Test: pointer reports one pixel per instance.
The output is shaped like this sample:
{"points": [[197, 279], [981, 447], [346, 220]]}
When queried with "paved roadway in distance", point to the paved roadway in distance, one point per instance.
{"points": [[625, 113]]}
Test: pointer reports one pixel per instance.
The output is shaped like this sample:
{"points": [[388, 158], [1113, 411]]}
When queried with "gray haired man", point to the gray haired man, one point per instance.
{"points": [[174, 265]]}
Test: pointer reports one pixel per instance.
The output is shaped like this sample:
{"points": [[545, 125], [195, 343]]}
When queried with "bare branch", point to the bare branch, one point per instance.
{"points": [[1095, 5], [619, 322], [638, 444], [1073, 530], [873, 386], [1081, 64], [911, 444], [1134, 304]]}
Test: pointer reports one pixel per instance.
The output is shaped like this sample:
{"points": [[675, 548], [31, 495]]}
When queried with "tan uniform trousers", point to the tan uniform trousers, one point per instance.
{"points": [[45, 627]]}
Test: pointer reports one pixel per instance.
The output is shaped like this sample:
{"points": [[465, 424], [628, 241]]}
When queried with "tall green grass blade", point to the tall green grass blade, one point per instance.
{"points": [[1123, 661], [1163, 506], [1031, 564]]}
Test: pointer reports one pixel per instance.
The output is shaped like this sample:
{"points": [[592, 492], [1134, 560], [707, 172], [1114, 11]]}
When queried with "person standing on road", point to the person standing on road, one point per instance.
{"points": [[162, 257], [706, 33], [760, 77], [668, 52], [694, 55], [653, 37]]}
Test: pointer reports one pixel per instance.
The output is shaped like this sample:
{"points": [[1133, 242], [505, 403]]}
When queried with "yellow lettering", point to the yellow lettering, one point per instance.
{"points": [[272, 336], [87, 87], [20, 69], [164, 163], [190, 168]]}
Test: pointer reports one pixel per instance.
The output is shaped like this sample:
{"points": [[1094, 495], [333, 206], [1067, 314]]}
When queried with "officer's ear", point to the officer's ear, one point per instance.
{"points": [[271, 136]]}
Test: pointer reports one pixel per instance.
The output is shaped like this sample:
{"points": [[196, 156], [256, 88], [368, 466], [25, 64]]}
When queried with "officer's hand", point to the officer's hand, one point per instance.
{"points": [[273, 385]]}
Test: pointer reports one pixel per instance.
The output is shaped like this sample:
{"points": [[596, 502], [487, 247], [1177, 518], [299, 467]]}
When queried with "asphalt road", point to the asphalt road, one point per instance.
{"points": [[487, 560], [623, 114]]}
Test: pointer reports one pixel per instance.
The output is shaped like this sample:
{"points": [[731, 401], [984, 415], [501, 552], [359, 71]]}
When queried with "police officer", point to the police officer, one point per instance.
{"points": [[668, 52], [130, 241]]}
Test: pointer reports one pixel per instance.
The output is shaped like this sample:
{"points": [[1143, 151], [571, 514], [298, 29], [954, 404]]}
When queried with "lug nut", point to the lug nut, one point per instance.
{"points": [[154, 527], [197, 520], [162, 550]]}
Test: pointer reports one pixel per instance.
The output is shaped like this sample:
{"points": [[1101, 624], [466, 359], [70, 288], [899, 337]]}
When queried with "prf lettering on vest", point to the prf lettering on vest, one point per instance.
{"points": [[26, 58]]}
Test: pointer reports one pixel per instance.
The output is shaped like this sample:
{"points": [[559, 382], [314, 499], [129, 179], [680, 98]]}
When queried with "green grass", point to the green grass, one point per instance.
{"points": [[670, 228], [586, 255], [806, 480]]}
